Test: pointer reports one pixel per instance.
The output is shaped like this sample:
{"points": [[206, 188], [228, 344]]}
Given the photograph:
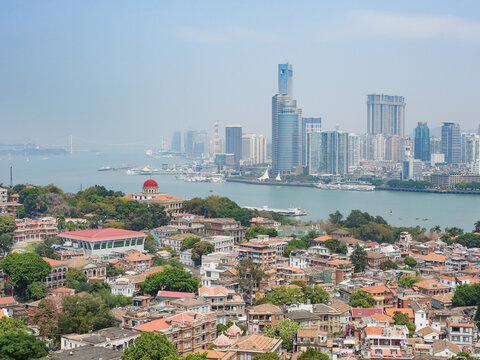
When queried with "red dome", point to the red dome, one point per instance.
{"points": [[150, 183]]}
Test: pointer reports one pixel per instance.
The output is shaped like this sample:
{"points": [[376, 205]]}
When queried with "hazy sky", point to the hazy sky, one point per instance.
{"points": [[118, 72]]}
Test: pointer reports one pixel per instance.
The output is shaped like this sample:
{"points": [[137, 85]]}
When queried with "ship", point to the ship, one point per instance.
{"points": [[346, 186], [293, 211]]}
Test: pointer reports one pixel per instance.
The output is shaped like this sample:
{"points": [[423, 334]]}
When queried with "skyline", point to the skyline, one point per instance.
{"points": [[104, 71]]}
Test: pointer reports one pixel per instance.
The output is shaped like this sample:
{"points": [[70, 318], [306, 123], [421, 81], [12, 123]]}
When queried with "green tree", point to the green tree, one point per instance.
{"points": [[388, 265], [256, 230], [361, 299], [359, 258], [188, 242], [411, 329], [400, 318], [283, 296], [75, 277], [463, 355], [286, 330], [171, 279], [312, 354], [9, 324], [316, 295], [373, 231], [249, 274], [407, 281], [409, 261], [150, 244], [357, 218], [7, 227], [201, 248], [336, 217], [21, 346], [36, 291], [113, 271], [150, 346], [46, 318], [24, 269], [466, 295], [477, 227], [454, 231], [267, 356], [469, 240], [83, 314]]}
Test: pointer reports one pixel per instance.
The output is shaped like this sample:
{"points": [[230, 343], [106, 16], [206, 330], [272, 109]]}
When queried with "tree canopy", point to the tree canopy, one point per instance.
{"points": [[7, 227], [409, 261], [286, 330], [466, 295], [312, 354], [21, 346], [188, 242], [256, 230], [10, 324], [359, 258], [268, 356], [407, 281], [150, 346], [201, 248], [170, 279], [361, 299], [388, 265]]}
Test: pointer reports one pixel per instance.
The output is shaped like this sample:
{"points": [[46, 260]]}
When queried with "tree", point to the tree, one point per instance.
{"points": [[361, 299], [357, 218], [469, 240], [267, 356], [201, 248], [75, 277], [466, 295], [388, 265], [359, 258], [36, 291], [400, 318], [46, 318], [411, 329], [7, 227], [285, 329], [373, 231], [188, 242], [250, 275], [150, 346], [316, 295], [256, 230], [113, 271], [312, 354], [336, 217], [454, 231], [171, 279], [9, 324], [21, 346], [407, 281], [409, 261], [24, 269], [83, 314], [150, 244], [283, 296]]}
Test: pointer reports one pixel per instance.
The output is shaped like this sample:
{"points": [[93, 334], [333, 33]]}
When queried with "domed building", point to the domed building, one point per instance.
{"points": [[151, 194]]}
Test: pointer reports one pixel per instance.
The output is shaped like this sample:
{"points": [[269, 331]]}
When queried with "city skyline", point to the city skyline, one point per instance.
{"points": [[98, 73]]}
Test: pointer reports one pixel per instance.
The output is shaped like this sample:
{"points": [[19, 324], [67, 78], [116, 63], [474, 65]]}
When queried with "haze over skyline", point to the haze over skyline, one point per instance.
{"points": [[119, 72]]}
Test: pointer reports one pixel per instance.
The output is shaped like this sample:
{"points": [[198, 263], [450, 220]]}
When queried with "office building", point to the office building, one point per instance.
{"points": [[233, 142], [422, 142], [285, 79], [177, 142], [254, 149], [309, 125], [385, 114], [451, 145], [288, 146], [470, 148], [329, 153], [395, 148], [189, 141], [412, 169], [435, 145], [354, 150]]}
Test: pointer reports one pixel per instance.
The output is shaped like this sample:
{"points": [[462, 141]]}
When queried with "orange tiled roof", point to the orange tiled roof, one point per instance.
{"points": [[373, 330], [137, 256], [407, 311], [322, 238], [433, 257], [53, 262]]}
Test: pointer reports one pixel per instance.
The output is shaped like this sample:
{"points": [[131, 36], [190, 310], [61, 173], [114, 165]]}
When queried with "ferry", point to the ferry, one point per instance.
{"points": [[286, 212], [346, 186]]}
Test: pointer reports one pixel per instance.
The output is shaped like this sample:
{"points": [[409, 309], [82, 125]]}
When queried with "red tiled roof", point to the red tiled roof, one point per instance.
{"points": [[175, 294], [101, 234], [53, 262], [360, 312], [7, 300]]}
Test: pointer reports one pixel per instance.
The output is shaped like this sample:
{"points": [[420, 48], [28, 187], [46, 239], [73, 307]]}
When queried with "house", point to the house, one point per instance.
{"points": [[442, 301], [358, 314], [383, 296], [409, 312], [381, 342], [223, 302], [431, 287], [309, 338], [448, 281], [34, 230], [224, 227], [91, 266], [221, 243], [305, 318], [299, 259], [186, 258], [136, 261], [112, 338], [263, 315], [460, 331], [420, 315], [88, 353], [58, 275], [444, 349], [375, 259], [260, 254], [429, 334], [247, 347], [151, 194], [329, 318], [192, 304], [288, 274], [173, 295], [123, 286]]}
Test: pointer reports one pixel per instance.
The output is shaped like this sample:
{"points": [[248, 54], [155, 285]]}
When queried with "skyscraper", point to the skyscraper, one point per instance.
{"points": [[289, 139], [254, 149], [285, 83], [309, 125], [189, 142], [233, 142], [177, 142], [422, 142], [451, 144], [385, 114], [329, 153]]}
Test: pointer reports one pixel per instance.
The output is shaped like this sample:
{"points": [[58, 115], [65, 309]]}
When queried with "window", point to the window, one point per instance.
{"points": [[466, 339], [118, 243], [466, 330], [96, 246], [277, 317], [104, 245], [110, 244], [132, 242]]}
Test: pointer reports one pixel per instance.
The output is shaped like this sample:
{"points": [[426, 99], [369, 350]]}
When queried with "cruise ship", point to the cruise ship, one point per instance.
{"points": [[286, 212], [346, 186]]}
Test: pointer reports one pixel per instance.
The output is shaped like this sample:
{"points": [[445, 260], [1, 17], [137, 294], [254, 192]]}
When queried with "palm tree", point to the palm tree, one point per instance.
{"points": [[437, 229], [477, 226]]}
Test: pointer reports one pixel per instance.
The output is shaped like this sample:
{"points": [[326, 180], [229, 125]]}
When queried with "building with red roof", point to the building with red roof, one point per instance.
{"points": [[150, 193], [58, 276], [104, 242]]}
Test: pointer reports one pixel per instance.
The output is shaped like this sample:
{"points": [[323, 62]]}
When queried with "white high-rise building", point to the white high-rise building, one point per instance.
{"points": [[385, 114], [354, 152], [254, 149], [375, 146]]}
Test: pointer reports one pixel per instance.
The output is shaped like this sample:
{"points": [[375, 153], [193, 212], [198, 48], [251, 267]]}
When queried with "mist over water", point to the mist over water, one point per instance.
{"points": [[69, 172]]}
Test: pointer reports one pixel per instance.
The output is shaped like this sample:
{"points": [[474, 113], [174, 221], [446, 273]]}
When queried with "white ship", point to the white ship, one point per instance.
{"points": [[286, 212], [346, 186]]}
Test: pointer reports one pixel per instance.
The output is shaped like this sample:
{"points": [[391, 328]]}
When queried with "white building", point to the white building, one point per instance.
{"points": [[254, 149], [420, 315], [123, 286], [112, 338], [299, 259], [3, 195], [221, 243], [186, 258]]}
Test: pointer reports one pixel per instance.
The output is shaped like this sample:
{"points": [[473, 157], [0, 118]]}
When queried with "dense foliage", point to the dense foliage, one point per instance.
{"points": [[286, 330], [10, 324], [402, 319], [201, 248], [407, 281], [409, 261], [409, 184], [171, 279], [283, 295], [21, 346], [388, 265], [359, 258], [361, 299], [469, 240], [150, 346], [188, 242], [336, 247], [312, 354], [7, 227], [466, 295], [256, 230]]}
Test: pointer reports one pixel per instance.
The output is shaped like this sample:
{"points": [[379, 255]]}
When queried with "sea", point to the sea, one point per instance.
{"points": [[79, 170]]}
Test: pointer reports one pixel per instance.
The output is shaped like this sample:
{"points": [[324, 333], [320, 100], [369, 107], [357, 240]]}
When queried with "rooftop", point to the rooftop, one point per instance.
{"points": [[101, 234]]}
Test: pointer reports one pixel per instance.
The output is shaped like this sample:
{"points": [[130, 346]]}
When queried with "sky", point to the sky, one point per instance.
{"points": [[129, 72]]}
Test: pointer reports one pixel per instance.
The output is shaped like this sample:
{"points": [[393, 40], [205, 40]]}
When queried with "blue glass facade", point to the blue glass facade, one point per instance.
{"points": [[288, 138], [451, 143], [285, 83], [422, 142], [233, 142], [309, 125]]}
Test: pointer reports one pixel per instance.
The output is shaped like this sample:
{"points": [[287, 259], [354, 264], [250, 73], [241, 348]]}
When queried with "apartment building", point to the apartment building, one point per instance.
{"points": [[263, 315], [461, 331], [35, 230], [224, 227], [57, 277], [260, 254]]}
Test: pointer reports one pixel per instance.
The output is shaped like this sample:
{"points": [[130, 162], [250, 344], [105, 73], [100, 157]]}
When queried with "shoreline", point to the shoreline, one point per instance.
{"points": [[382, 188]]}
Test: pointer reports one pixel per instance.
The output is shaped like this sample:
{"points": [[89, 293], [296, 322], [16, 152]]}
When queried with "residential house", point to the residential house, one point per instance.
{"points": [[223, 301], [461, 331], [263, 315], [431, 287], [111, 338], [57, 277]]}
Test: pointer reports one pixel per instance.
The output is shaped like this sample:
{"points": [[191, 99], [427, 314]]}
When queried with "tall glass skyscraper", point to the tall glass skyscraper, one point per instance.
{"points": [[329, 153], [177, 142], [422, 142], [233, 142], [285, 83], [385, 114], [309, 125], [451, 143]]}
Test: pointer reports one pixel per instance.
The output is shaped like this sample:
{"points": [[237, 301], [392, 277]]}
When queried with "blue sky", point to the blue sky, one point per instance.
{"points": [[118, 72]]}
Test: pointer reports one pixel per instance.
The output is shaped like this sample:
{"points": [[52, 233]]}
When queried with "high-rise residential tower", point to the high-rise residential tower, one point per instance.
{"points": [[385, 114], [329, 153], [189, 142], [451, 145], [309, 125], [285, 77], [254, 149], [422, 142], [233, 142], [177, 142]]}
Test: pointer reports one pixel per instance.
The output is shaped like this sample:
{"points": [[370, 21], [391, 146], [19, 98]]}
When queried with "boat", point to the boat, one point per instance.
{"points": [[105, 168], [346, 186], [293, 211]]}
